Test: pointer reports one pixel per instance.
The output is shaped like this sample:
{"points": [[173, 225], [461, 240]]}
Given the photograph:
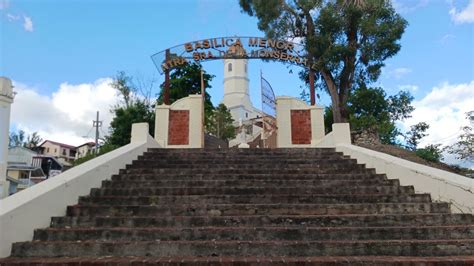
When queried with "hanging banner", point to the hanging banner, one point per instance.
{"points": [[218, 48], [268, 109]]}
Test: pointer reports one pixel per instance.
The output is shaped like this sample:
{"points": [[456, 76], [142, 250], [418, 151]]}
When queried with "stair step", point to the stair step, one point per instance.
{"points": [[296, 233], [246, 198], [256, 209], [246, 260], [175, 191], [185, 176], [218, 163], [253, 167], [456, 247], [265, 220], [246, 160], [322, 183]]}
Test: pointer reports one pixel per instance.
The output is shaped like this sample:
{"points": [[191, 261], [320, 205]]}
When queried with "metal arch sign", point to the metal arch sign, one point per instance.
{"points": [[220, 48]]}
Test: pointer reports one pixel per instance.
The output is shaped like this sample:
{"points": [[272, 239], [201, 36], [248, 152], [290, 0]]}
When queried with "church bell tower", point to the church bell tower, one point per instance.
{"points": [[236, 87]]}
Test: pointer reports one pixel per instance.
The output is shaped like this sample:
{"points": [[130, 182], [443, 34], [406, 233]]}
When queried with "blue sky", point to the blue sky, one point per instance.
{"points": [[59, 53]]}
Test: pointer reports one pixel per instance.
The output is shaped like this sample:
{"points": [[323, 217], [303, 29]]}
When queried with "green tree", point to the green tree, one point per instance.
{"points": [[17, 139], [416, 133], [134, 109], [33, 140], [432, 153], [348, 41], [186, 80], [221, 123], [371, 109], [122, 83], [463, 149]]}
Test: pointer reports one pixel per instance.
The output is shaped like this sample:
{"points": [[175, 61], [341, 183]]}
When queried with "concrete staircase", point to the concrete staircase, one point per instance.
{"points": [[251, 206]]}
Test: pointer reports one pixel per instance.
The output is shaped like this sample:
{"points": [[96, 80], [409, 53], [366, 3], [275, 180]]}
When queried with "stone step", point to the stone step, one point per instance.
{"points": [[297, 233], [232, 157], [256, 209], [352, 169], [246, 198], [266, 152], [155, 175], [246, 260], [322, 183], [347, 220], [244, 162], [243, 190], [458, 247], [243, 167]]}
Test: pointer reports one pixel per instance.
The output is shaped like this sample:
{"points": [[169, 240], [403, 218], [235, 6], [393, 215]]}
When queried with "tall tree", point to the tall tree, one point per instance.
{"points": [[371, 109], [33, 140], [463, 149], [186, 80], [17, 139], [134, 109], [124, 117], [348, 41], [416, 133], [126, 91], [221, 123]]}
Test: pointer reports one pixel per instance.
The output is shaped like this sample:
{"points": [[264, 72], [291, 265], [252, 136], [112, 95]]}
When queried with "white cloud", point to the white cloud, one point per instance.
{"points": [[65, 116], [408, 87], [409, 6], [465, 15], [398, 73], [4, 4], [444, 109], [27, 24], [12, 17], [447, 38]]}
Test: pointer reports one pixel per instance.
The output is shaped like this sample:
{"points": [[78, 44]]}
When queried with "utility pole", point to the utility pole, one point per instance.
{"points": [[97, 124]]}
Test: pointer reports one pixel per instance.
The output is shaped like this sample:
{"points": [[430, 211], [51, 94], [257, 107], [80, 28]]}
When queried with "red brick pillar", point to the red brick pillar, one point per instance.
{"points": [[301, 126], [178, 130]]}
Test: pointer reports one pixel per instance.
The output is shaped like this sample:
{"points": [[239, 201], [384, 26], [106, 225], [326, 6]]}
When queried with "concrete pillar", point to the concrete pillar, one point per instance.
{"points": [[285, 105], [6, 99], [191, 104]]}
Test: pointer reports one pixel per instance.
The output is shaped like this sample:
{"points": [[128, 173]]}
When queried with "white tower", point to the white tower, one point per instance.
{"points": [[6, 99], [236, 87]]}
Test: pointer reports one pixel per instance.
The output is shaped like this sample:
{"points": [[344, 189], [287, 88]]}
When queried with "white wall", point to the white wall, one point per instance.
{"points": [[442, 185], [284, 105], [193, 103], [33, 208]]}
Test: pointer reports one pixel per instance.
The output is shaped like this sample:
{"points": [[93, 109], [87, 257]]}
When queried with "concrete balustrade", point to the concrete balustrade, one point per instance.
{"points": [[32, 208], [180, 125], [441, 185]]}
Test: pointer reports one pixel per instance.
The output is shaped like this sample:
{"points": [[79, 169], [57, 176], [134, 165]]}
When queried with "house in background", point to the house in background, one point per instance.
{"points": [[64, 153], [85, 149], [21, 172]]}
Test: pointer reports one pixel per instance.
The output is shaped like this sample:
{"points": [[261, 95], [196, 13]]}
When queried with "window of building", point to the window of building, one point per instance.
{"points": [[229, 67], [245, 68], [246, 115], [47, 150], [64, 152]]}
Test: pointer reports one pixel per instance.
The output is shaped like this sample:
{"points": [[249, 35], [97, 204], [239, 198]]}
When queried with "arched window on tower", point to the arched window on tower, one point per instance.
{"points": [[245, 68], [229, 67]]}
